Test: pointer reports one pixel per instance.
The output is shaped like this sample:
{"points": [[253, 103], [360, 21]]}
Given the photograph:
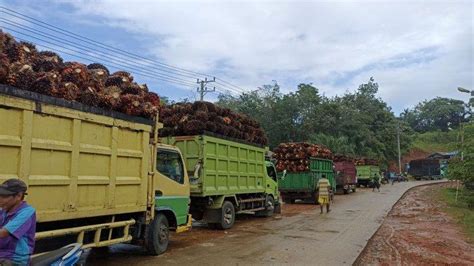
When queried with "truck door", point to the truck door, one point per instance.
{"points": [[172, 184]]}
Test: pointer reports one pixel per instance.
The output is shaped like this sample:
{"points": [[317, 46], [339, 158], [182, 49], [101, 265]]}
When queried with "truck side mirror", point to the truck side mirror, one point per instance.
{"points": [[284, 175]]}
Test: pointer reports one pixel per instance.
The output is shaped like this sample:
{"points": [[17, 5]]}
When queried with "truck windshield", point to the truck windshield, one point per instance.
{"points": [[169, 163]]}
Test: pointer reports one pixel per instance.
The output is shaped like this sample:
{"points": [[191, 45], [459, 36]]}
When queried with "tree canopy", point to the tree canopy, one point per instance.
{"points": [[357, 123]]}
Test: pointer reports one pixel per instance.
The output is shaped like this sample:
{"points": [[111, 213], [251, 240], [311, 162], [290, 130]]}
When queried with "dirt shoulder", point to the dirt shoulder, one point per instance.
{"points": [[419, 231]]}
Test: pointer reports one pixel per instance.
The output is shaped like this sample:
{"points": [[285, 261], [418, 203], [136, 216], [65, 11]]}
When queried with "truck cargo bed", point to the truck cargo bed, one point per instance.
{"points": [[78, 161], [225, 167]]}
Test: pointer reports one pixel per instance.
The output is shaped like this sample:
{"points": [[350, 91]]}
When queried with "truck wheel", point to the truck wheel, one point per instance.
{"points": [[158, 235], [354, 189], [227, 215], [346, 191]]}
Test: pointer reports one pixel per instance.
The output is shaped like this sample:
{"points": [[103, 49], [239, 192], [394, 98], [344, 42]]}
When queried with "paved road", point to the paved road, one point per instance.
{"points": [[306, 237]]}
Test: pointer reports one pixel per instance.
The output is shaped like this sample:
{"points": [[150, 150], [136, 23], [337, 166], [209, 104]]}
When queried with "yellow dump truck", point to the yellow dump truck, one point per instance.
{"points": [[92, 174]]}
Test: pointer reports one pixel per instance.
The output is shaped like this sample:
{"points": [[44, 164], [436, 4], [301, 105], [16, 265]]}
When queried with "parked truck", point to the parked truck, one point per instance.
{"points": [[346, 176], [425, 169], [365, 173], [227, 177], [304, 185], [98, 175]]}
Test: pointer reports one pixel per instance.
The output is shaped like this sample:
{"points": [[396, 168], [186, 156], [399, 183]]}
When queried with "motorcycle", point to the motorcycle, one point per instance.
{"points": [[66, 256]]}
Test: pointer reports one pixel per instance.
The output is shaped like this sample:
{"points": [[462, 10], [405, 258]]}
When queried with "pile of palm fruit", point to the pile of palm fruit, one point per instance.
{"points": [[366, 161], [45, 72], [342, 158], [186, 119], [294, 156]]}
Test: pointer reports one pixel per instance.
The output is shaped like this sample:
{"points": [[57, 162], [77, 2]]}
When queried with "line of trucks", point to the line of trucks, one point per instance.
{"points": [[99, 177]]}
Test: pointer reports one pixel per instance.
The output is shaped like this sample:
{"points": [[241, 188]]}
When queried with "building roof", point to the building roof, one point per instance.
{"points": [[442, 155]]}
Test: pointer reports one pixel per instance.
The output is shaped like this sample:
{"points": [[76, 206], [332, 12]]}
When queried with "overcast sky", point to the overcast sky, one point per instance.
{"points": [[415, 50]]}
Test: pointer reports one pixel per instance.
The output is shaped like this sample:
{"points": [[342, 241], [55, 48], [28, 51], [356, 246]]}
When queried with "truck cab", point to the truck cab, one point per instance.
{"points": [[272, 185], [171, 198]]}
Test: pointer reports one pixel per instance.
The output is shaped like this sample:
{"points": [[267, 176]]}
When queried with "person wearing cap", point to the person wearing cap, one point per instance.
{"points": [[17, 224]]}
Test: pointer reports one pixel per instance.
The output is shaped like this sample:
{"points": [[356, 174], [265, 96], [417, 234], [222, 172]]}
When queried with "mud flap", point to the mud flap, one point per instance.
{"points": [[277, 209], [212, 215]]}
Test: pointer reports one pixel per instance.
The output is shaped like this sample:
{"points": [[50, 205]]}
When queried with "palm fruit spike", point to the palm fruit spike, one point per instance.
{"points": [[99, 66]]}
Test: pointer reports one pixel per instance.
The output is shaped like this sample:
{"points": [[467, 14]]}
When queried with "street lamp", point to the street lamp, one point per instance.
{"points": [[461, 89]]}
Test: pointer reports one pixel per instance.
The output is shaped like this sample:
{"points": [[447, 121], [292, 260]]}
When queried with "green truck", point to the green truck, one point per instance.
{"points": [[304, 185], [227, 177], [365, 173]]}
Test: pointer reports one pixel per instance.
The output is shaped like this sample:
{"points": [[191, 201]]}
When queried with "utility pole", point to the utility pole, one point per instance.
{"points": [[202, 89], [399, 153]]}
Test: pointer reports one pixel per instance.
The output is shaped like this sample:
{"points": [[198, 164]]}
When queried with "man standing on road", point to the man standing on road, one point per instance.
{"points": [[323, 193], [375, 183], [17, 224]]}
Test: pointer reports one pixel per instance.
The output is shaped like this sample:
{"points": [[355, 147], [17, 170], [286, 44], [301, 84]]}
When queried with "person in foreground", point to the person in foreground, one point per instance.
{"points": [[17, 224]]}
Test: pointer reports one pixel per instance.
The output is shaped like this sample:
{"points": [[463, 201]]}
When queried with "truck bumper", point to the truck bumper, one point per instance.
{"points": [[187, 226]]}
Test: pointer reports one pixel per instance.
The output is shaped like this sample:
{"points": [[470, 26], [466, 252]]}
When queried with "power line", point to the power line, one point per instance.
{"points": [[105, 46], [79, 47], [115, 65], [136, 67]]}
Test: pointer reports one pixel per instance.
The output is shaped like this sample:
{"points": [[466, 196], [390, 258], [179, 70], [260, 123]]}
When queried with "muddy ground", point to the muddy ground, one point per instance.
{"points": [[418, 231], [299, 236]]}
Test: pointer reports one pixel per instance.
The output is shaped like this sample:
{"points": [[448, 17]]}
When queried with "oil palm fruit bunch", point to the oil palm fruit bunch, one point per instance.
{"points": [[198, 117], [68, 91], [47, 61], [20, 75], [46, 83], [22, 66], [97, 66], [4, 69], [109, 98], [76, 73], [121, 79], [89, 96], [6, 42], [131, 104], [294, 156], [21, 52]]}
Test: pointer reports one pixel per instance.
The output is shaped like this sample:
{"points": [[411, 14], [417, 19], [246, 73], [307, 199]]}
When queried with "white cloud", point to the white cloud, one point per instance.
{"points": [[254, 42]]}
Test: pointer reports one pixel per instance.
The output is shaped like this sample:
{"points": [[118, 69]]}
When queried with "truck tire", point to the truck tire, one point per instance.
{"points": [[346, 191], [354, 189], [158, 235], [227, 216], [270, 208]]}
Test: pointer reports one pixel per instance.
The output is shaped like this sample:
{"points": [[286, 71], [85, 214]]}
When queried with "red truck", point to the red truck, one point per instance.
{"points": [[346, 176]]}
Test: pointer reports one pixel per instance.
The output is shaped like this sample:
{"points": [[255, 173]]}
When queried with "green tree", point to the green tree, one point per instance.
{"points": [[437, 114]]}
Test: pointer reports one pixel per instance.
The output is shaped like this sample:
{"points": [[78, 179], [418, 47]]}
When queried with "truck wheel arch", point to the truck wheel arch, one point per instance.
{"points": [[170, 216]]}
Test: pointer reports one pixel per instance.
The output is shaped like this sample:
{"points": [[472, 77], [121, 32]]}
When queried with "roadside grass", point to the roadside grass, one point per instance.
{"points": [[462, 210]]}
